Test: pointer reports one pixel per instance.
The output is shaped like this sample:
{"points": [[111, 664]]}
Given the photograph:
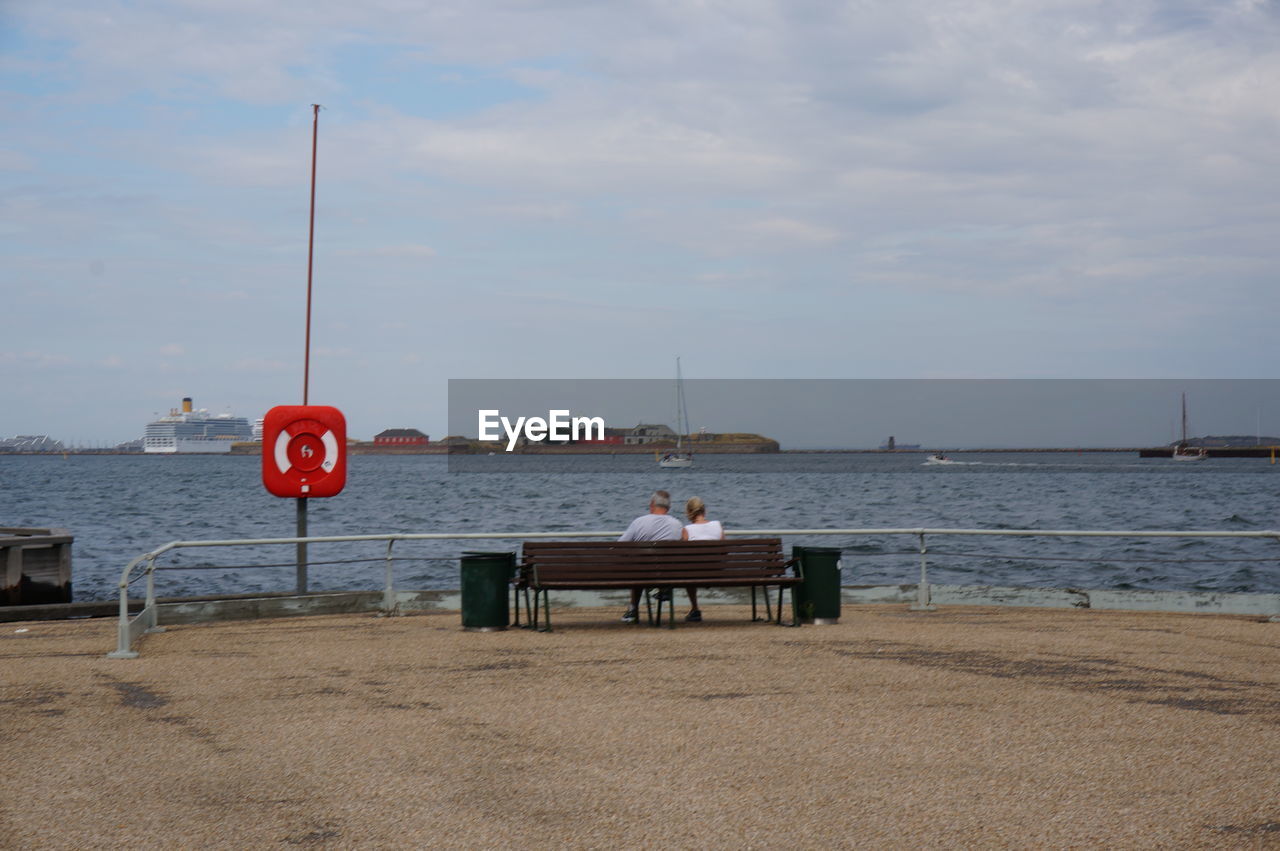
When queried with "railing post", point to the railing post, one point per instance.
{"points": [[123, 650], [923, 597], [152, 610], [388, 592], [1276, 617]]}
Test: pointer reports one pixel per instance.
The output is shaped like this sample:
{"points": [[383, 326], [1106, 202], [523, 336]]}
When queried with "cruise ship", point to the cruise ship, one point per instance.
{"points": [[186, 430]]}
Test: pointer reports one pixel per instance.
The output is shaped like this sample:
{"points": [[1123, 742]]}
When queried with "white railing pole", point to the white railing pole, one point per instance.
{"points": [[123, 649], [150, 601], [923, 596], [151, 609], [388, 592]]}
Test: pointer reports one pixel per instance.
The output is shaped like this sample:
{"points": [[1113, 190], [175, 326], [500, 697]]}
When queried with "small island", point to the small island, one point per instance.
{"points": [[643, 439]]}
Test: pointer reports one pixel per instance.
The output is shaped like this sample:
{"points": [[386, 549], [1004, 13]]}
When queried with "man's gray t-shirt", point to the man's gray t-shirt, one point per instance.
{"points": [[653, 527]]}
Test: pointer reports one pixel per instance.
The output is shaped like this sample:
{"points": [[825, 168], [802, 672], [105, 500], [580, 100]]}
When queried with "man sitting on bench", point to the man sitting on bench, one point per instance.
{"points": [[657, 525]]}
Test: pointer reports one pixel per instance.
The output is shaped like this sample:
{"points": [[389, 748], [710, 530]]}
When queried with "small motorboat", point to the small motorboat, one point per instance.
{"points": [[676, 459], [938, 458]]}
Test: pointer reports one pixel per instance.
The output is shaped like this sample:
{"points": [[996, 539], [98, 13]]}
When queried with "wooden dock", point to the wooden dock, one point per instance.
{"points": [[36, 565]]}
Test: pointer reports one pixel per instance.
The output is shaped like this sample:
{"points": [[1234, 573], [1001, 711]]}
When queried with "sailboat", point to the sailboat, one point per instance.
{"points": [[1181, 451], [679, 458]]}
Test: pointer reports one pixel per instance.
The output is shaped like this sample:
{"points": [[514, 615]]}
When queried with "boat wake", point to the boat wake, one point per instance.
{"points": [[1061, 466]]}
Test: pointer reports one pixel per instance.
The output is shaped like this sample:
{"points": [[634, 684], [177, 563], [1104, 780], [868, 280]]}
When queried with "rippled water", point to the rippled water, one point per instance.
{"points": [[119, 507]]}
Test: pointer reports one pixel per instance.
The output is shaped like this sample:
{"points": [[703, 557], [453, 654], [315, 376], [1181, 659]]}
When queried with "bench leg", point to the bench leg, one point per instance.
{"points": [[546, 604], [655, 618], [671, 608], [768, 606], [795, 608], [515, 592]]}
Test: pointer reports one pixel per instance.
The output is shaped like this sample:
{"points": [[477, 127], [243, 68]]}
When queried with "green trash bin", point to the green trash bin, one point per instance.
{"points": [[486, 583], [818, 596]]}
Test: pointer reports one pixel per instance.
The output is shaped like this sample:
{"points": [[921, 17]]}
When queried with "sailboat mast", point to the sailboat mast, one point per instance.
{"points": [[1184, 418], [681, 416]]}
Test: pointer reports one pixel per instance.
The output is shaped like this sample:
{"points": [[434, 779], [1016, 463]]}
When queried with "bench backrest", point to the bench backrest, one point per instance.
{"points": [[741, 558]]}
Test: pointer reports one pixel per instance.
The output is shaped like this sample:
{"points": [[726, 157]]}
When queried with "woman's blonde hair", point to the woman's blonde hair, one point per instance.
{"points": [[694, 507]]}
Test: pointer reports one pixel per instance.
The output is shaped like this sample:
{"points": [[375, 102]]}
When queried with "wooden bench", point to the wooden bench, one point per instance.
{"points": [[593, 565]]}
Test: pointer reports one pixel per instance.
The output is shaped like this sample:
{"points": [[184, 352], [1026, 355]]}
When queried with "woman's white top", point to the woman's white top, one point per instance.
{"points": [[709, 531]]}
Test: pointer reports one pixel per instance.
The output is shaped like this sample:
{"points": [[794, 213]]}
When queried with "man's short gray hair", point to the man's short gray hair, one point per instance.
{"points": [[661, 499]]}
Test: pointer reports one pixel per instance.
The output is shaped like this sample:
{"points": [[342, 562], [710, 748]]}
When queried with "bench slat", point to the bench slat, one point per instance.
{"points": [[652, 563], [638, 580], [588, 547], [642, 567], [731, 542], [653, 552], [567, 584], [656, 564]]}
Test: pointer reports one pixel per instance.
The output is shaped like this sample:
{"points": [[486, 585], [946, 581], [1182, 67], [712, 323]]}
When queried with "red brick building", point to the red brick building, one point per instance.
{"points": [[612, 437], [401, 437]]}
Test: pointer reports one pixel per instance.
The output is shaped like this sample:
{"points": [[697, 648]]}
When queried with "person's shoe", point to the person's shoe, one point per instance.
{"points": [[630, 616], [694, 616]]}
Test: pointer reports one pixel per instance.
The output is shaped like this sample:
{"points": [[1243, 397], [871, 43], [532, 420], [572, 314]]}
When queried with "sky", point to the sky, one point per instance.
{"points": [[562, 189]]}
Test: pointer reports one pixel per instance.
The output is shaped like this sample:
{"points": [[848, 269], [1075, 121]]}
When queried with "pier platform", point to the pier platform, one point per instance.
{"points": [[964, 727]]}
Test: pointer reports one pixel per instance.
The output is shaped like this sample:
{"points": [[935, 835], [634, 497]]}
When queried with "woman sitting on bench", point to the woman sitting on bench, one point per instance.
{"points": [[699, 529]]}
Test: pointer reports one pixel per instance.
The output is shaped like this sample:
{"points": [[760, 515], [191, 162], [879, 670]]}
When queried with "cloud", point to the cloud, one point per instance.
{"points": [[550, 212], [34, 360], [259, 365], [15, 161], [977, 178], [406, 251], [793, 230]]}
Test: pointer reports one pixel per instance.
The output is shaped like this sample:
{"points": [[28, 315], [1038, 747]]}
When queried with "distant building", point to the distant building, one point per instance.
{"points": [[612, 437], [401, 437], [31, 443], [649, 433]]}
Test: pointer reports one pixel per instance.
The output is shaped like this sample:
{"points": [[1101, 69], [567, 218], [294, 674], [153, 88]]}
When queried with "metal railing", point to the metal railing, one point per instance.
{"points": [[130, 629], [146, 621]]}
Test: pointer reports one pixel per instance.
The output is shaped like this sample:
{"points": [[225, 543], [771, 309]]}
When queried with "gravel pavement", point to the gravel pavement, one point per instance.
{"points": [[957, 728]]}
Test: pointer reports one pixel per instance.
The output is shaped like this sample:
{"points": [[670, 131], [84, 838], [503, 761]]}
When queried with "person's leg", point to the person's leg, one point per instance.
{"points": [[695, 614], [632, 614]]}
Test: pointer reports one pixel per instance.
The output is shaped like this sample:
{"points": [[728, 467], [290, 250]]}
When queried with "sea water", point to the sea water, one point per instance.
{"points": [[119, 507]]}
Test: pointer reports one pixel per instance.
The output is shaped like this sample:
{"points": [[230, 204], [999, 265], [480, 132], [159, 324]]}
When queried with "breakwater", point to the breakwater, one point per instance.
{"points": [[1218, 452], [745, 447]]}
